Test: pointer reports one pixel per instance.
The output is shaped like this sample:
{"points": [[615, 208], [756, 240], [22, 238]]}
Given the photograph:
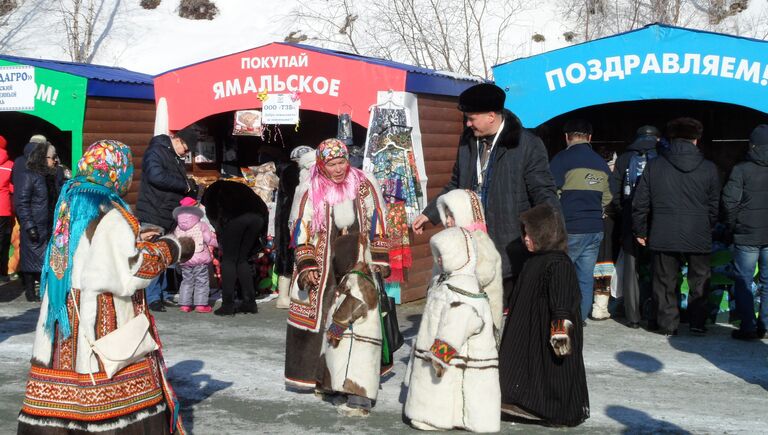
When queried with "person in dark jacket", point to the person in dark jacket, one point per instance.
{"points": [[34, 200], [164, 183], [583, 181], [6, 209], [506, 165], [674, 210], [745, 206], [642, 149], [239, 217]]}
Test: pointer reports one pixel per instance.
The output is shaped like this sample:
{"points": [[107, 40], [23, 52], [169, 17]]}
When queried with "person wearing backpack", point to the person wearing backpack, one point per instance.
{"points": [[626, 174], [673, 212]]}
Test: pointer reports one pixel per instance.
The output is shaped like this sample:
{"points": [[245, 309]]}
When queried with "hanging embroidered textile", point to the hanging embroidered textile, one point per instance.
{"points": [[390, 157]]}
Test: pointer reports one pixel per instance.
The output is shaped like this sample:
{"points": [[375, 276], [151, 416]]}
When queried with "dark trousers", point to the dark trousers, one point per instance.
{"points": [[28, 280], [239, 239], [6, 226], [666, 268], [635, 296]]}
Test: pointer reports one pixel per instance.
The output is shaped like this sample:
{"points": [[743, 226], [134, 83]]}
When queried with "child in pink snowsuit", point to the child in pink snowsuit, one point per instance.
{"points": [[195, 285]]}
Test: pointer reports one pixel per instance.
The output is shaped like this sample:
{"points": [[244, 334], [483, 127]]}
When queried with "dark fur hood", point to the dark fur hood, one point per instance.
{"points": [[544, 224]]}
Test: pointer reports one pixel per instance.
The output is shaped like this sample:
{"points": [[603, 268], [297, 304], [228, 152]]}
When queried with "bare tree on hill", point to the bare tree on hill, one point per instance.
{"points": [[461, 36], [79, 19]]}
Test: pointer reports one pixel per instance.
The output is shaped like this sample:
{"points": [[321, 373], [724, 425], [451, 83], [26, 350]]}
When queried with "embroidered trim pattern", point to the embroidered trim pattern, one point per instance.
{"points": [[443, 351], [155, 257], [67, 395], [481, 295], [336, 330], [558, 327], [132, 220]]}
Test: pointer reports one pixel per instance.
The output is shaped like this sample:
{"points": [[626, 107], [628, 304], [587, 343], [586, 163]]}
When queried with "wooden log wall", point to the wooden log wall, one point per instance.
{"points": [[441, 125], [129, 121]]}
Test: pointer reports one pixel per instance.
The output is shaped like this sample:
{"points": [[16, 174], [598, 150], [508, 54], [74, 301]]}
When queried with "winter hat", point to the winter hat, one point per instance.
{"points": [[3, 143], [330, 149], [577, 126], [38, 138], [684, 128], [300, 151], [465, 207], [485, 97], [544, 224], [759, 136], [188, 201], [458, 253], [189, 136], [648, 130], [188, 206]]}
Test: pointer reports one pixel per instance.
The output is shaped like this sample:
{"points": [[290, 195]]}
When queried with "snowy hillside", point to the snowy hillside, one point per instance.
{"points": [[153, 41]]}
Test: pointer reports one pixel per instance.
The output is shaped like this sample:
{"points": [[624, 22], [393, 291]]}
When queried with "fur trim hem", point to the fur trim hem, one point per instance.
{"points": [[97, 426]]}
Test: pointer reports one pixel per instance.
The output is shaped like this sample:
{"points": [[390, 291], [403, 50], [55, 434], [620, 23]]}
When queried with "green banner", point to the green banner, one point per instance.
{"points": [[60, 100]]}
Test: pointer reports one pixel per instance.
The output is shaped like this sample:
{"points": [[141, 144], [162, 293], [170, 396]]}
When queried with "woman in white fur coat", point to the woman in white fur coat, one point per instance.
{"points": [[95, 269], [462, 208], [454, 379]]}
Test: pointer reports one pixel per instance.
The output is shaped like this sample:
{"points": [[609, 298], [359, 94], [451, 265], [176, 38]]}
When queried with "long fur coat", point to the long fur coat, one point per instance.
{"points": [[454, 378]]}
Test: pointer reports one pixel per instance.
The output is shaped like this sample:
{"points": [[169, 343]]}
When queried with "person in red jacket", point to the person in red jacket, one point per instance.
{"points": [[6, 209]]}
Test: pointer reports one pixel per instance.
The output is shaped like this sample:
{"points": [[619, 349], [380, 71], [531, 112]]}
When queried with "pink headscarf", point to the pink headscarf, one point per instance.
{"points": [[325, 192]]}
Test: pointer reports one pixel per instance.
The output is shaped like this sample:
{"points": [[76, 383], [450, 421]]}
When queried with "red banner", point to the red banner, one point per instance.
{"points": [[324, 82]]}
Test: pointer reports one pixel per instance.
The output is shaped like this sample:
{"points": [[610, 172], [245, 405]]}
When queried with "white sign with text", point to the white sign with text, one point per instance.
{"points": [[17, 88]]}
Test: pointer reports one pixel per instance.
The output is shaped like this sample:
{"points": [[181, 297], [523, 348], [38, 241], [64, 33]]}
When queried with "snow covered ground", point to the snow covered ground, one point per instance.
{"points": [[228, 373]]}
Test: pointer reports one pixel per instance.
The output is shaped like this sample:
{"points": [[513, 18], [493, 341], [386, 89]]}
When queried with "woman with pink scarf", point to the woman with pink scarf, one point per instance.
{"points": [[338, 200]]}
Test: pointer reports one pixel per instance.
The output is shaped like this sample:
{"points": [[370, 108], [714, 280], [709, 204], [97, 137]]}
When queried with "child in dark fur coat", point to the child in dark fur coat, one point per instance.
{"points": [[540, 361]]}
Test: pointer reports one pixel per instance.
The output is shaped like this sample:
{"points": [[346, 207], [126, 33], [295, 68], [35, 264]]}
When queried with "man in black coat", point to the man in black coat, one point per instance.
{"points": [[506, 165], [745, 206], [638, 154], [674, 210], [164, 183]]}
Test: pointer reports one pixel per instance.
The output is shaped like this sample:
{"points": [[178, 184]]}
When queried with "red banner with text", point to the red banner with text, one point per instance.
{"points": [[324, 82]]}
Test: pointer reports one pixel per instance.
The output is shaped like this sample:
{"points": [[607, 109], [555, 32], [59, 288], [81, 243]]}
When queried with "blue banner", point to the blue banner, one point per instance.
{"points": [[655, 62]]}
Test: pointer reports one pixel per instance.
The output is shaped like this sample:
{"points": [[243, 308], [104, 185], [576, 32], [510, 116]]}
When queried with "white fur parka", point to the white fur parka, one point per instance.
{"points": [[456, 338], [467, 212]]}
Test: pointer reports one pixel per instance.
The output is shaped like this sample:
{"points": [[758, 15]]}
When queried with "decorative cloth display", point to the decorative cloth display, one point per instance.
{"points": [[103, 175], [392, 162]]}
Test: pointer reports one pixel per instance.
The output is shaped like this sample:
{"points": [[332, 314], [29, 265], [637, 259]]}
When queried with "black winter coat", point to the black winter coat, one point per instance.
{"points": [[227, 200], [289, 180], [20, 165], [163, 183], [745, 199], [677, 196], [520, 179], [34, 200]]}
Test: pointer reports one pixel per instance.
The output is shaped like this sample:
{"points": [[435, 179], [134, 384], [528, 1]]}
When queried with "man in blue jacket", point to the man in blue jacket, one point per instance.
{"points": [[164, 183], [583, 181]]}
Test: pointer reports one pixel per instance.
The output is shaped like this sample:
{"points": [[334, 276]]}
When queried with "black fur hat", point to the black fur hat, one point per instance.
{"points": [[485, 97], [684, 128], [544, 224]]}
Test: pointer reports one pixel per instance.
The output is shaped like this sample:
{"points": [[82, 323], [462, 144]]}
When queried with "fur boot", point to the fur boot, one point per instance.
{"points": [[600, 305], [284, 292]]}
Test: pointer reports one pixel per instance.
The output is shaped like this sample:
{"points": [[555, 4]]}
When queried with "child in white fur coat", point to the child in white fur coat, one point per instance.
{"points": [[454, 380]]}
